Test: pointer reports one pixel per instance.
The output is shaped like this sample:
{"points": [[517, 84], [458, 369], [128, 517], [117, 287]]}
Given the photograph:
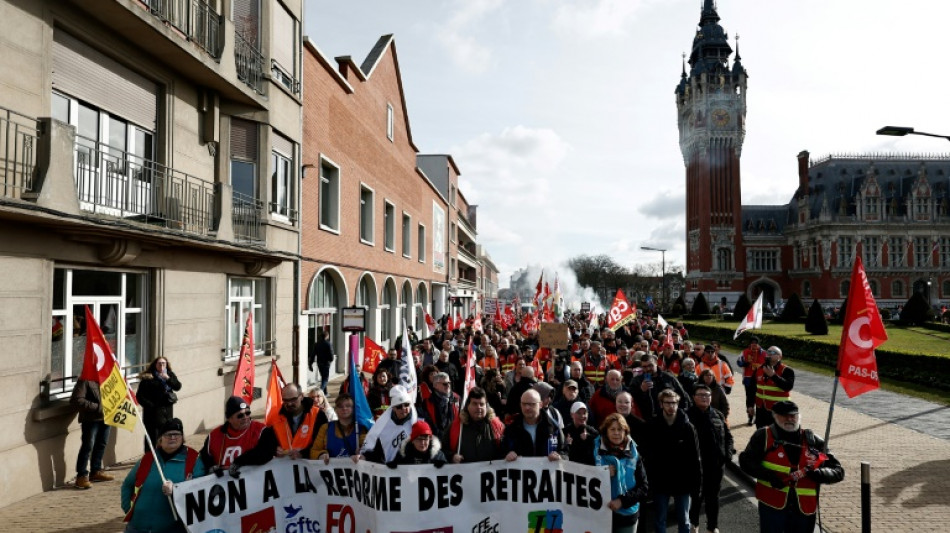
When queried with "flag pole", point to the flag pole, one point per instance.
{"points": [[157, 463], [831, 409], [354, 348]]}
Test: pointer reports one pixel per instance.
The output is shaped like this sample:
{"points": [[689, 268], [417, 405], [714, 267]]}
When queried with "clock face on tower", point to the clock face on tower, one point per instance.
{"points": [[720, 117]]}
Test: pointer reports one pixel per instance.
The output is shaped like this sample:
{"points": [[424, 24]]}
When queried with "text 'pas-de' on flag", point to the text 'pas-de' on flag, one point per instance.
{"points": [[863, 332], [362, 414], [373, 354], [620, 312], [244, 377], [275, 400], [752, 319], [100, 365]]}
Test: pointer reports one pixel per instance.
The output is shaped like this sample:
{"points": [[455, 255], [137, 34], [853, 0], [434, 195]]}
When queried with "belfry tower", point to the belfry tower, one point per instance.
{"points": [[711, 108]]}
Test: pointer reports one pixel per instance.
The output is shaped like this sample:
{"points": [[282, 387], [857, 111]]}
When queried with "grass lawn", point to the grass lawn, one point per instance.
{"points": [[907, 339]]}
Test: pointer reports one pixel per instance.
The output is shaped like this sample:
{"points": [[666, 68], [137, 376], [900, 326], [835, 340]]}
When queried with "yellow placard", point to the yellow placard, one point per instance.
{"points": [[117, 406]]}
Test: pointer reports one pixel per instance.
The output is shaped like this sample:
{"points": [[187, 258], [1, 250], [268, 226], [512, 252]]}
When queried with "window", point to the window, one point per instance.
{"points": [[244, 154], [944, 252], [871, 210], [389, 121], [872, 252], [389, 219], [895, 252], [366, 215], [946, 288], [329, 196], [452, 195], [406, 236], [387, 311], [875, 287], [248, 295], [806, 289], [453, 232], [922, 252], [897, 288], [118, 301], [845, 287], [764, 261], [284, 48], [845, 251], [723, 259], [452, 268], [421, 243], [282, 180]]}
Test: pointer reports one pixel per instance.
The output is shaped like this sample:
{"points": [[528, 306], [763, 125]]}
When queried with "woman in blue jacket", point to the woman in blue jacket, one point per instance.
{"points": [[145, 499], [628, 479]]}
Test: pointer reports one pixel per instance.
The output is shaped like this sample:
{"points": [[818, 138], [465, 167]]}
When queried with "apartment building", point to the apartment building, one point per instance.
{"points": [[149, 169]]}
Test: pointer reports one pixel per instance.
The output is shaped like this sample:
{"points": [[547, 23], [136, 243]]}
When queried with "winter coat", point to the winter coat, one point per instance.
{"points": [[581, 450], [716, 446], [87, 398], [481, 441], [152, 512], [672, 456], [409, 455], [518, 440], [629, 483], [152, 394]]}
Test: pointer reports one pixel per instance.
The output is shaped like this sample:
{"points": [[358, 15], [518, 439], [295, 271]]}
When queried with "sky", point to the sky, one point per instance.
{"points": [[561, 116]]}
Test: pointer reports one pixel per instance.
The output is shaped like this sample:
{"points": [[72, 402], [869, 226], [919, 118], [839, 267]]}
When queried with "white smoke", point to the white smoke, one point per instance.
{"points": [[572, 293]]}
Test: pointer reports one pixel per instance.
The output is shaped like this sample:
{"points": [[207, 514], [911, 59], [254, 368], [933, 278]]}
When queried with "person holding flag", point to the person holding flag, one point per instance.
{"points": [[477, 432]]}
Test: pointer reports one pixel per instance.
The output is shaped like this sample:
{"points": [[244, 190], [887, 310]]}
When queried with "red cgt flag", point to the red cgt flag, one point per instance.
{"points": [[863, 332], [372, 355], [430, 323], [244, 377], [620, 312]]}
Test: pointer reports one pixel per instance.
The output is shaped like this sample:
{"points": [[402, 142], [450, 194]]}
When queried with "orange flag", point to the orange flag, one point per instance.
{"points": [[863, 332], [244, 377], [274, 398], [372, 355]]}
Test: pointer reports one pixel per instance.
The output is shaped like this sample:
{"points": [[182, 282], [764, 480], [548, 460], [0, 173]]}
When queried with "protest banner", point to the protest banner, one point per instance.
{"points": [[553, 335], [491, 305], [291, 496]]}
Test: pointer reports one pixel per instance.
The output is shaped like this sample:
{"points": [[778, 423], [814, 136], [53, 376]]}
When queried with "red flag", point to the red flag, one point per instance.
{"points": [[244, 377], [469, 369], [546, 314], [547, 291], [430, 323], [372, 355], [477, 324], [498, 318], [669, 336], [274, 398], [620, 312], [863, 332], [100, 365], [450, 323], [537, 288]]}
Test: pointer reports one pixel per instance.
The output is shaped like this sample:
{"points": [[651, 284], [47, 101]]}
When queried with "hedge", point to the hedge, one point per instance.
{"points": [[912, 368]]}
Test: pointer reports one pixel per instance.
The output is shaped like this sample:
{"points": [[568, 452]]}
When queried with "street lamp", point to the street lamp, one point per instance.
{"points": [[900, 131], [662, 269]]}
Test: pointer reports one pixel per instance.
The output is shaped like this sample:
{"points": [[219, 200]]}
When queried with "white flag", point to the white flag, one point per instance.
{"points": [[407, 368], [753, 319], [663, 323]]}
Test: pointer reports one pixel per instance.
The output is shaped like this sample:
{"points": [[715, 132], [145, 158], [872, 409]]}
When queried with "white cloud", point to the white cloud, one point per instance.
{"points": [[465, 49], [588, 20], [665, 205]]}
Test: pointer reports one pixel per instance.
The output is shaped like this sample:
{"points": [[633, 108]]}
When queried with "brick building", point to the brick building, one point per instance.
{"points": [[892, 209], [149, 156]]}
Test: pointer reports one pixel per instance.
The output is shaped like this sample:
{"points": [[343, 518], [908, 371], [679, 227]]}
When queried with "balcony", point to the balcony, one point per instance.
{"points": [[113, 182], [249, 63], [194, 19], [247, 214], [18, 142]]}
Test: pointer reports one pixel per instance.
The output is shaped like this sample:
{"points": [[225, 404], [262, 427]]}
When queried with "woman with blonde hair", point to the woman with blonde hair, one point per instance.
{"points": [[628, 479]]}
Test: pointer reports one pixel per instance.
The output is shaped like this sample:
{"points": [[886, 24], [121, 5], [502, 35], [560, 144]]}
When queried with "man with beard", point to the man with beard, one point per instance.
{"points": [[229, 441], [478, 430], [715, 449], [773, 383], [292, 433], [650, 383], [441, 408], [789, 465]]}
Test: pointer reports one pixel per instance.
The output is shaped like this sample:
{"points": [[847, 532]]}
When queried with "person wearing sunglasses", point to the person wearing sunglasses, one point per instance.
{"points": [[238, 434], [391, 429]]}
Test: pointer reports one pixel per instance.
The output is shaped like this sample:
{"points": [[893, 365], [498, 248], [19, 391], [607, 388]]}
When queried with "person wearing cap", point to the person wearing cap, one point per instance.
{"points": [[715, 448], [569, 395], [145, 498], [585, 389], [773, 383], [710, 361], [421, 448], [580, 435], [392, 428], [515, 391], [789, 464], [604, 401], [230, 440], [292, 433], [532, 435], [749, 361], [546, 392]]}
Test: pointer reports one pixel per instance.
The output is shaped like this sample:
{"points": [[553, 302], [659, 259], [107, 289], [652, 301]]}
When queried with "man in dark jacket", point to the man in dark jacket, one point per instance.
{"points": [[95, 434], [672, 460], [324, 356], [790, 465], [441, 408], [580, 435], [533, 435], [648, 385], [585, 389], [715, 449]]}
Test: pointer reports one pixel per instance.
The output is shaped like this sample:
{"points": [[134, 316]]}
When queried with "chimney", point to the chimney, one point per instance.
{"points": [[803, 173]]}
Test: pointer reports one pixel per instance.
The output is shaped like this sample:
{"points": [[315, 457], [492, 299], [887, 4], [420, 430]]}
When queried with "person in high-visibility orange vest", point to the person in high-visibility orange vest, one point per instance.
{"points": [[773, 383], [789, 464]]}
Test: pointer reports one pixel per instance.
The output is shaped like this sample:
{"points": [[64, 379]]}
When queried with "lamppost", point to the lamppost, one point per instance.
{"points": [[900, 131], [662, 269]]}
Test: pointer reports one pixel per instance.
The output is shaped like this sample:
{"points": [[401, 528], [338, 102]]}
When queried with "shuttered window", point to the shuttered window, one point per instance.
{"points": [[246, 15], [89, 75], [282, 144], [244, 139], [283, 39]]}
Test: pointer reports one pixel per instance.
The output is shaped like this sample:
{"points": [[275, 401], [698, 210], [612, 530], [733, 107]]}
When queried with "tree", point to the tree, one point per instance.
{"points": [[742, 306], [916, 310], [700, 306], [816, 323], [794, 309], [599, 272], [679, 307]]}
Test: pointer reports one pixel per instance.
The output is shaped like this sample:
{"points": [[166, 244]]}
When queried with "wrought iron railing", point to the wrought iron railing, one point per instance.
{"points": [[249, 63], [195, 19], [111, 181], [284, 210], [18, 142], [246, 217]]}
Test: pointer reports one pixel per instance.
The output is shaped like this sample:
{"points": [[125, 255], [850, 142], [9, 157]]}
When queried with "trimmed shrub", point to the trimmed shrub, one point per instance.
{"points": [[742, 307], [794, 309], [917, 311], [679, 307], [816, 323], [700, 306]]}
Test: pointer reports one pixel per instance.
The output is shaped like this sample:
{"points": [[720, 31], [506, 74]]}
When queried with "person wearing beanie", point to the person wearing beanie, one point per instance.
{"points": [[392, 428], [144, 495], [230, 440], [421, 448]]}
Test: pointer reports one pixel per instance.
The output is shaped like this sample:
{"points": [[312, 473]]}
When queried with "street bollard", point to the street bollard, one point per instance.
{"points": [[865, 497]]}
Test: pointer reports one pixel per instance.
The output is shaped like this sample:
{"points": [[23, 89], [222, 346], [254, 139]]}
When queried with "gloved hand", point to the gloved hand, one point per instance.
{"points": [[217, 470], [438, 463], [235, 471], [391, 464]]}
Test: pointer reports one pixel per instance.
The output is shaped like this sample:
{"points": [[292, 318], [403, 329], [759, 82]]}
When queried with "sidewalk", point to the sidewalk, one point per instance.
{"points": [[906, 440]]}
